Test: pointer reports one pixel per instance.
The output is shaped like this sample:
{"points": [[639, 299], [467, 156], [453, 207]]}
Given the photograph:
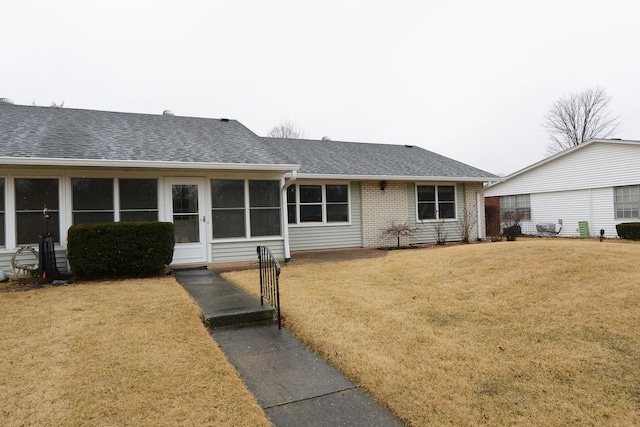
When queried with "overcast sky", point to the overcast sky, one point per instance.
{"points": [[471, 80]]}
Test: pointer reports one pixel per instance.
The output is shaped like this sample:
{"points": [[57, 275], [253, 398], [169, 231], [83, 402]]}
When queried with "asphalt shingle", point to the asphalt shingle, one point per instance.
{"points": [[366, 159], [28, 131], [64, 133]]}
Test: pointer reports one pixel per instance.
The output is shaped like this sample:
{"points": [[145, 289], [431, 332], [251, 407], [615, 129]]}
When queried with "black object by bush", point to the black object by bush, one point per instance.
{"points": [[120, 249]]}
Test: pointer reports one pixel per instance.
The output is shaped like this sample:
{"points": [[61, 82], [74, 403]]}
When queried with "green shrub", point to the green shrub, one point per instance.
{"points": [[120, 249], [629, 230]]}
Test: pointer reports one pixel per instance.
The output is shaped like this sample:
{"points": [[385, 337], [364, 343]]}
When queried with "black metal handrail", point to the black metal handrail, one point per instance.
{"points": [[269, 280]]}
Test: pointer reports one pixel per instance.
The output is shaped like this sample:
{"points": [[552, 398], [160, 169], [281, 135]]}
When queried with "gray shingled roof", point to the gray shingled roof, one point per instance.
{"points": [[44, 132], [366, 159], [64, 133]]}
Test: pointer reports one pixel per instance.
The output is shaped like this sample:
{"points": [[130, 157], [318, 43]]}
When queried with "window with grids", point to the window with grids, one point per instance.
{"points": [[627, 201], [436, 202], [318, 203], [519, 206], [32, 196], [138, 199], [92, 200]]}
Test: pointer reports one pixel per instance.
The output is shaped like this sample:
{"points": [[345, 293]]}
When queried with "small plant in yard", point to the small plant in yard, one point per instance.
{"points": [[440, 232], [466, 224], [510, 225], [398, 231]]}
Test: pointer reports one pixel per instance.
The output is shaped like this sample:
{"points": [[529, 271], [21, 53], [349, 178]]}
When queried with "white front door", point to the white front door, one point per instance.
{"points": [[188, 214]]}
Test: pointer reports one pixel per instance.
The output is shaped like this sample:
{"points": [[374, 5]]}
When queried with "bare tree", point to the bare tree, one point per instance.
{"points": [[54, 105], [578, 118], [286, 129], [466, 224], [399, 230], [439, 231]]}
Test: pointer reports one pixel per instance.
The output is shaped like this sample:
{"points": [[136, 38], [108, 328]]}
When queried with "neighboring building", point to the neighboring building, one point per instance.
{"points": [[596, 183], [226, 189]]}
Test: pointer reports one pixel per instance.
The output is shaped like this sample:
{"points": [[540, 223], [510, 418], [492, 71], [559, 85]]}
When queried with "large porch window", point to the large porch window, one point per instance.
{"points": [[236, 201], [32, 195], [138, 199], [92, 200]]}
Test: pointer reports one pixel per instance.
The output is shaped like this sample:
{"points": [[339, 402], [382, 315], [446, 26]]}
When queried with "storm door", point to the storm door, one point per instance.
{"points": [[188, 215]]}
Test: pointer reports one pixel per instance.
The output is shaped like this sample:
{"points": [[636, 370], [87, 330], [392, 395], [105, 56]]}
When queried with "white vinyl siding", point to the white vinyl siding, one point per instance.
{"points": [[338, 235], [598, 165], [592, 205], [577, 186]]}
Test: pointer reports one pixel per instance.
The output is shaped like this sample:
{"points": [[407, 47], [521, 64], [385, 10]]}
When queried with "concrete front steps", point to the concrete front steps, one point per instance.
{"points": [[222, 303]]}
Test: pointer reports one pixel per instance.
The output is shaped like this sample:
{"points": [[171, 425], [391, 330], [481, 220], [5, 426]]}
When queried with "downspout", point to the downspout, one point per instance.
{"points": [[479, 213], [285, 223]]}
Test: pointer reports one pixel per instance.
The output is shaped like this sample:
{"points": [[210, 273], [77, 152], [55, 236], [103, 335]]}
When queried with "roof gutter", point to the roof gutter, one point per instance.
{"points": [[399, 177], [144, 164]]}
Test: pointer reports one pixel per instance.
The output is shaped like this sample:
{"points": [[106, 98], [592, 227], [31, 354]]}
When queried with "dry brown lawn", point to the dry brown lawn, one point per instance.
{"points": [[113, 354], [532, 332]]}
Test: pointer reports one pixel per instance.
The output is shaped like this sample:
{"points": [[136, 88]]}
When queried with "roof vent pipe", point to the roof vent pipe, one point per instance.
{"points": [[326, 138], [168, 113]]}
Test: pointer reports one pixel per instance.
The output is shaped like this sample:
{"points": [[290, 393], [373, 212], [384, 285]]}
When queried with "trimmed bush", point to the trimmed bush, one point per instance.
{"points": [[120, 249], [629, 230]]}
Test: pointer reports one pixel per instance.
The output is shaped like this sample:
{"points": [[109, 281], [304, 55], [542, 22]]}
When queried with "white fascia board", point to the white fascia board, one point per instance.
{"points": [[397, 178], [145, 164]]}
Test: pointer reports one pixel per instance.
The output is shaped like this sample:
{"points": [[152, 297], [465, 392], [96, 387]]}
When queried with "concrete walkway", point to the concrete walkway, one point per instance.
{"points": [[293, 385]]}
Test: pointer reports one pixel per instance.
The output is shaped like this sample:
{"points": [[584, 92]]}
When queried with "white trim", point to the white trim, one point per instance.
{"points": [[163, 164], [343, 177], [478, 216], [190, 252]]}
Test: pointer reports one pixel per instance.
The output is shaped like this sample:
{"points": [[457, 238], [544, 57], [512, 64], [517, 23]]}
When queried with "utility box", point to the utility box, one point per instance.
{"points": [[583, 228]]}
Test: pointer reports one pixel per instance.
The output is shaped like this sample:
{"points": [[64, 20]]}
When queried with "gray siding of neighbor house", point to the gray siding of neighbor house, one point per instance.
{"points": [[303, 238], [223, 252], [5, 259], [425, 233]]}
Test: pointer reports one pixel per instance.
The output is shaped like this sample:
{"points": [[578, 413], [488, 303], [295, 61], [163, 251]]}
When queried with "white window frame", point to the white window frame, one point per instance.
{"points": [[436, 185], [324, 222], [518, 205], [247, 208], [616, 203], [11, 239]]}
